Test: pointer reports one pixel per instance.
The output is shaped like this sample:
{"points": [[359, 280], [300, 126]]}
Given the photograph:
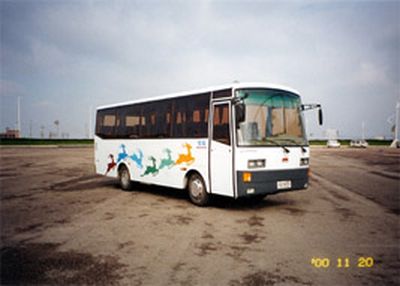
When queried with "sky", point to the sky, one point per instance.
{"points": [[65, 58]]}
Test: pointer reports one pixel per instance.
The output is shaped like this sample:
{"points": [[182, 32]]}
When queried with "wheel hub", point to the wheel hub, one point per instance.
{"points": [[196, 188], [124, 178]]}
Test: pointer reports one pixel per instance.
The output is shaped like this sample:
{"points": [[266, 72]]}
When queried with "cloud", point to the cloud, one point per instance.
{"points": [[84, 53], [43, 104], [11, 88], [369, 73]]}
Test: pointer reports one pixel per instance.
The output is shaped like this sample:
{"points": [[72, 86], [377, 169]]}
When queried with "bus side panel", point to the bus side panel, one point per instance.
{"points": [[105, 160], [156, 161]]}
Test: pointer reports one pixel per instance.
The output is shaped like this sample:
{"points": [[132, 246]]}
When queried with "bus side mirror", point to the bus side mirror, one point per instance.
{"points": [[240, 112], [305, 107], [320, 118]]}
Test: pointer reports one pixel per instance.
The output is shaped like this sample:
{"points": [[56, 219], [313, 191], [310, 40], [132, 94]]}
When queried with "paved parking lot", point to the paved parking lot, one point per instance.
{"points": [[62, 224]]}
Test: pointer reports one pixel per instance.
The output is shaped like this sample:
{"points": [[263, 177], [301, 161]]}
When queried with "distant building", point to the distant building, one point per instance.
{"points": [[332, 134], [10, 133], [379, 138]]}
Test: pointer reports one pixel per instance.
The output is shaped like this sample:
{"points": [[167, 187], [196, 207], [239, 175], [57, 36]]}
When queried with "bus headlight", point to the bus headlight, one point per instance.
{"points": [[304, 161], [250, 191], [260, 163]]}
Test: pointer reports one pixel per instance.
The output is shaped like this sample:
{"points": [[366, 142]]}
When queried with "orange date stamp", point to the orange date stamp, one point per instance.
{"points": [[342, 262]]}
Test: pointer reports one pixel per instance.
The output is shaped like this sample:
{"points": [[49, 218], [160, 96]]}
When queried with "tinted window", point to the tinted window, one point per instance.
{"points": [[184, 117], [164, 112], [221, 124], [222, 93], [133, 121], [120, 131], [179, 118], [191, 116], [157, 119], [105, 123], [148, 122], [199, 116]]}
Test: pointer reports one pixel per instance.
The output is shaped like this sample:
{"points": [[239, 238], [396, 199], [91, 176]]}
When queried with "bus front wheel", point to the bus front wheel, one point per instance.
{"points": [[197, 190], [124, 178]]}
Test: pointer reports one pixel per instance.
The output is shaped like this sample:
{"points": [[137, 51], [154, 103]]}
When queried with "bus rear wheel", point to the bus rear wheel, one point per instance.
{"points": [[197, 190], [124, 178]]}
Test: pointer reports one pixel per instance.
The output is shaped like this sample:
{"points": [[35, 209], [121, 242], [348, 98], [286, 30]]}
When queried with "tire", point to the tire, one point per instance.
{"points": [[197, 190], [124, 178]]}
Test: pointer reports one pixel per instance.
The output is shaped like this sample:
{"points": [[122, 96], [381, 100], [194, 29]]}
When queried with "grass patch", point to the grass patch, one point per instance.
{"points": [[346, 142], [317, 142]]}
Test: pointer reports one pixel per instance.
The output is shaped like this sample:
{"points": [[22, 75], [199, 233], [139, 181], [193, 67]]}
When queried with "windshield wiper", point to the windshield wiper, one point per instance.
{"points": [[276, 143], [294, 141]]}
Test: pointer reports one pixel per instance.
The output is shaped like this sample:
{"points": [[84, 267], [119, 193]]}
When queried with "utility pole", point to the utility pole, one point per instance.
{"points": [[90, 122], [30, 128], [396, 142], [57, 124], [18, 123], [42, 131], [363, 130]]}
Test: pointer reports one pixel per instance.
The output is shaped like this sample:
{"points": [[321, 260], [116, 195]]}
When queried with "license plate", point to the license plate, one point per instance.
{"points": [[283, 185]]}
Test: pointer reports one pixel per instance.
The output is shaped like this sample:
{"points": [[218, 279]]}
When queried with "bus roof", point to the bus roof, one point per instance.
{"points": [[203, 90]]}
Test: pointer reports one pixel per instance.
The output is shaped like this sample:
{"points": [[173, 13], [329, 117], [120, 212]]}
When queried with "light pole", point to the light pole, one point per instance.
{"points": [[42, 131], [90, 122], [19, 115], [396, 143], [57, 124], [363, 131]]}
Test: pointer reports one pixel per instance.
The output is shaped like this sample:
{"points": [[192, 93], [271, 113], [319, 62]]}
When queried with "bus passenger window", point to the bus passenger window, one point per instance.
{"points": [[221, 129], [206, 115], [216, 116], [109, 121], [153, 119], [196, 116], [132, 121], [178, 118], [105, 123], [225, 116]]}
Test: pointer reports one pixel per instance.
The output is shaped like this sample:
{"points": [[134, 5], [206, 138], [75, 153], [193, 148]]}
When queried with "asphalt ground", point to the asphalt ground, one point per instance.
{"points": [[62, 224]]}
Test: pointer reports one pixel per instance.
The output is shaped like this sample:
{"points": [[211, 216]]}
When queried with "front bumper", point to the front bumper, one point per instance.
{"points": [[265, 182]]}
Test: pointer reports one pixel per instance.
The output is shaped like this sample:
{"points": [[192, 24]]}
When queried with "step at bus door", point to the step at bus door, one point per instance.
{"points": [[221, 156]]}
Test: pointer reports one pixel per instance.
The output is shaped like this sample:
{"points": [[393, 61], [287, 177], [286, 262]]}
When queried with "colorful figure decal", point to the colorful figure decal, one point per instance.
{"points": [[186, 158], [123, 154], [167, 162], [111, 165], [151, 169], [137, 159]]}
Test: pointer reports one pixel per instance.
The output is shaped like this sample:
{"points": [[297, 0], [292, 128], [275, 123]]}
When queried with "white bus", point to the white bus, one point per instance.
{"points": [[242, 139]]}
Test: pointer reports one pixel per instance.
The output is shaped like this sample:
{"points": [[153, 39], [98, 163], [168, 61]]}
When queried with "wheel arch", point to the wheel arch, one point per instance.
{"points": [[122, 165], [191, 172]]}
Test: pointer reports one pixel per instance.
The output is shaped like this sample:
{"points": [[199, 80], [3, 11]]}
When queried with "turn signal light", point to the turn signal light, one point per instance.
{"points": [[246, 177]]}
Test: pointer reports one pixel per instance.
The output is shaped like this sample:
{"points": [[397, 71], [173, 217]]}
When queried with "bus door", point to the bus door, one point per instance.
{"points": [[221, 150]]}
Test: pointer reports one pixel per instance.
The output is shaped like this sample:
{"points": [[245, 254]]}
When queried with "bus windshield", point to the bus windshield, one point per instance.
{"points": [[273, 118]]}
